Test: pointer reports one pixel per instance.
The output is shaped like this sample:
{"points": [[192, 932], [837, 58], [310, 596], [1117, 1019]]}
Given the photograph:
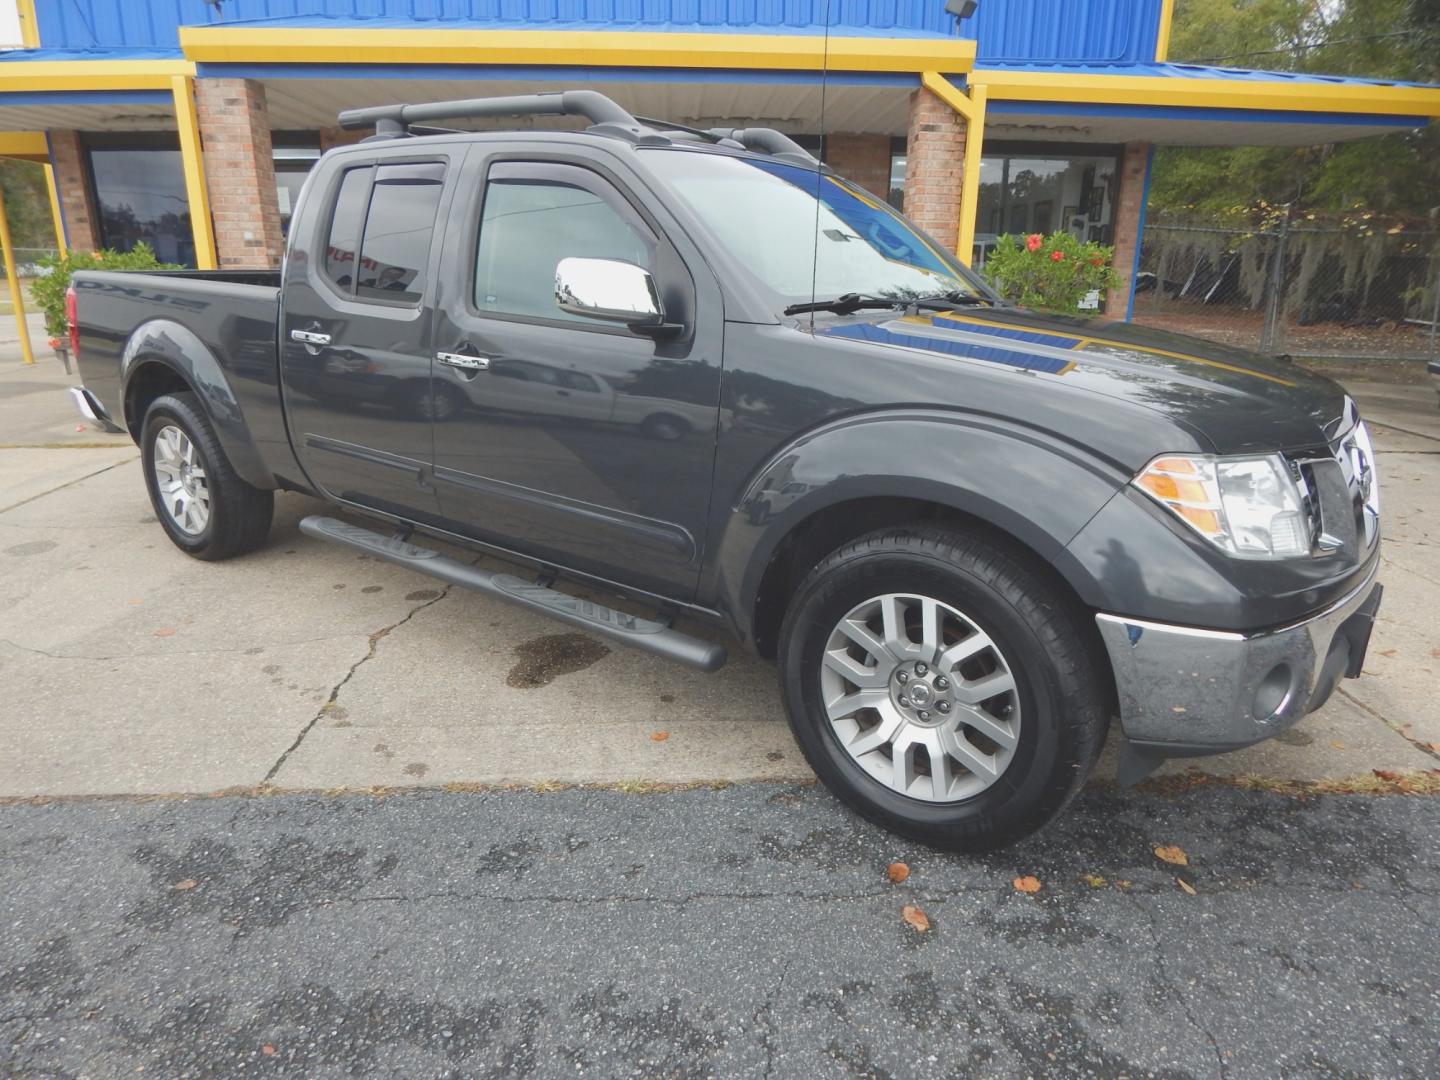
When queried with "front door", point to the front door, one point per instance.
{"points": [[356, 332], [569, 439]]}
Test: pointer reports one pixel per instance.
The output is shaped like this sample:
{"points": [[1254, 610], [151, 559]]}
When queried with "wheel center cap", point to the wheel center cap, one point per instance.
{"points": [[920, 693]]}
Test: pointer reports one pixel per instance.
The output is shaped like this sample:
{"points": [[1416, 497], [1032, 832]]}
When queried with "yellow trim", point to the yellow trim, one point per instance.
{"points": [[1162, 35], [29, 145], [590, 48], [91, 74], [17, 298], [1209, 93], [29, 27], [1084, 341], [194, 168], [972, 108], [55, 215]]}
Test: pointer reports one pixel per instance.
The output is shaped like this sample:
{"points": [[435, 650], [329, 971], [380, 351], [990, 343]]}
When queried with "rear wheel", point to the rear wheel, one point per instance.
{"points": [[941, 687], [207, 510]]}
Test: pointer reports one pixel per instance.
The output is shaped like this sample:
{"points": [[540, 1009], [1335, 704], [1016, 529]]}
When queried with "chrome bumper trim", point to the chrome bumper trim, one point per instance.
{"points": [[1188, 688]]}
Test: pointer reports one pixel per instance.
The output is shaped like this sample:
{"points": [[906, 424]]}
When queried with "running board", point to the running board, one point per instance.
{"points": [[647, 634]]}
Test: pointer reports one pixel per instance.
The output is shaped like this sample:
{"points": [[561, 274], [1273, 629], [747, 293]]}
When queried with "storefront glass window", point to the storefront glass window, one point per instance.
{"points": [[140, 197], [1045, 193], [294, 156]]}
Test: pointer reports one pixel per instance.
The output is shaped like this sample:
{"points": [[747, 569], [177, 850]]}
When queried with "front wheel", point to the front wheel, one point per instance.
{"points": [[941, 687], [207, 510]]}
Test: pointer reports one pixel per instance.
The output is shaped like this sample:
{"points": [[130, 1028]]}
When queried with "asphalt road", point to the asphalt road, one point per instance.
{"points": [[749, 931]]}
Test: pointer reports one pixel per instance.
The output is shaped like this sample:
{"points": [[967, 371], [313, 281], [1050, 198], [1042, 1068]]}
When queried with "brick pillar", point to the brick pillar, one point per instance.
{"points": [[934, 167], [1126, 222], [864, 159], [72, 181], [239, 172]]}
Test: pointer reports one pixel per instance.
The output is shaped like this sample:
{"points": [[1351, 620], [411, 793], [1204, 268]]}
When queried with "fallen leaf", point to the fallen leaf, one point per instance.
{"points": [[1386, 774], [165, 631], [268, 1050], [1385, 652], [1095, 881], [659, 736], [1435, 746], [897, 872], [1177, 708], [1435, 653], [1337, 744], [1172, 854], [188, 883], [1185, 885], [1122, 884], [137, 603], [1026, 884], [915, 918]]}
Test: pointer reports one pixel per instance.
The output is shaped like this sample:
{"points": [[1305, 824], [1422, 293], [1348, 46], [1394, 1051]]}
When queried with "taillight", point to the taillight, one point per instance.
{"points": [[72, 323]]}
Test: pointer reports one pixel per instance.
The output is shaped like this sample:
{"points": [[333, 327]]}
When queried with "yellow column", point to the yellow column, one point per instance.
{"points": [[55, 215], [194, 167], [970, 190], [17, 300]]}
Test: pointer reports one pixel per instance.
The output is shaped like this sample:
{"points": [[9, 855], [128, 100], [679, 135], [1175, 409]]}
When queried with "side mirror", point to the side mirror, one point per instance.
{"points": [[610, 289]]}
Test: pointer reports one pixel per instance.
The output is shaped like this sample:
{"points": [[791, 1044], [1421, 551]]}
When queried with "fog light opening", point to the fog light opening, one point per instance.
{"points": [[1274, 693]]}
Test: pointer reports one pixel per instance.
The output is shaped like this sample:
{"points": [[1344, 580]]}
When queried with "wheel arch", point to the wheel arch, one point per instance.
{"points": [[162, 357], [1030, 493]]}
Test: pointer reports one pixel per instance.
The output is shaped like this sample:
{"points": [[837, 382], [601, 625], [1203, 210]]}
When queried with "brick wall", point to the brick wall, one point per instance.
{"points": [[865, 159], [340, 137], [1129, 200], [82, 231], [239, 172], [934, 167]]}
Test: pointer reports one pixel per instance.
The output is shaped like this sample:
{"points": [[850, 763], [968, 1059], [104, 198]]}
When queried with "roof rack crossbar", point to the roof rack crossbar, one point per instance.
{"points": [[393, 119]]}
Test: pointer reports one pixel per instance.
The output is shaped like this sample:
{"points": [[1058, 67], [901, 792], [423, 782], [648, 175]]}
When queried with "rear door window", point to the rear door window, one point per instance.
{"points": [[399, 228], [345, 224]]}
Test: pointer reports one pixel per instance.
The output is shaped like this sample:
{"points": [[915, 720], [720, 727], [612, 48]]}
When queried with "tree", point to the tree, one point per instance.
{"points": [[27, 203]]}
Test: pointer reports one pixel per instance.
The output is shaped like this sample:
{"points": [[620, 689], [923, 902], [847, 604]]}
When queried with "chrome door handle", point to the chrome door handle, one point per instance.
{"points": [[309, 337], [465, 363]]}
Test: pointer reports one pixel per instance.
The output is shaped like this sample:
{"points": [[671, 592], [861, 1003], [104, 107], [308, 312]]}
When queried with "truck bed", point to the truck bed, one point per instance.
{"points": [[216, 326]]}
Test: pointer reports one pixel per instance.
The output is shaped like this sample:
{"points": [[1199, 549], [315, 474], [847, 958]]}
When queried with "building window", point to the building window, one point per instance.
{"points": [[139, 188], [1035, 188], [294, 154]]}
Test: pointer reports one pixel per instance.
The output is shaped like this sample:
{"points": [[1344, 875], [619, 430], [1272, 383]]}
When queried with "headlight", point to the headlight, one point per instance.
{"points": [[1249, 507]]}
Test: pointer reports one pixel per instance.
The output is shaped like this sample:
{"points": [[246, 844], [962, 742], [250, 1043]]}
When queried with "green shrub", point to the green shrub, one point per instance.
{"points": [[1049, 273], [48, 289]]}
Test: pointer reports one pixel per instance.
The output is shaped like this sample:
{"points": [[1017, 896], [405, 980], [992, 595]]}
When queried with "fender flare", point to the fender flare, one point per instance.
{"points": [[168, 343], [1025, 482]]}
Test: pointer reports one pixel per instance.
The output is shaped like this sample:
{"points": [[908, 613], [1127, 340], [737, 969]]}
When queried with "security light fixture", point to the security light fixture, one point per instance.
{"points": [[961, 9]]}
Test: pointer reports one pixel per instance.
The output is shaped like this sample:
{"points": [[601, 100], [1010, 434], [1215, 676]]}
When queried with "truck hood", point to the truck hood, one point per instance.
{"points": [[1238, 401]]}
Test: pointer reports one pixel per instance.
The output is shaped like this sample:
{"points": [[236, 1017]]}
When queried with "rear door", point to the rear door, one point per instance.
{"points": [[571, 440], [356, 329]]}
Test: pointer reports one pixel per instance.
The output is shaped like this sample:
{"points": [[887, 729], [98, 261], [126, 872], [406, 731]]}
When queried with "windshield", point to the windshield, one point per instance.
{"points": [[764, 212]]}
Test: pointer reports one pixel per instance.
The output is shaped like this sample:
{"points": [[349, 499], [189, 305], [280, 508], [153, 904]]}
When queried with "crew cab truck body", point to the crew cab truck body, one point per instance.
{"points": [[700, 371]]}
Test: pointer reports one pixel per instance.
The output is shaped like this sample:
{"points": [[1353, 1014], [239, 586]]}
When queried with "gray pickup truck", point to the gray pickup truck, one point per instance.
{"points": [[697, 370]]}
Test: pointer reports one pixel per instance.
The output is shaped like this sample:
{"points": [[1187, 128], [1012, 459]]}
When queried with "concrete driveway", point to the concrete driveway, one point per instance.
{"points": [[130, 668]]}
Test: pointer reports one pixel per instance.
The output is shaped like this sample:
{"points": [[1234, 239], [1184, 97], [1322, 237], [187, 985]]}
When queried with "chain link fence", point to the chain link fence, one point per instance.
{"points": [[1303, 287], [27, 261]]}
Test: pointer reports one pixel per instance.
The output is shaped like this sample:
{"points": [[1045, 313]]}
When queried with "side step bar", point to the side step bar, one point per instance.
{"points": [[647, 634]]}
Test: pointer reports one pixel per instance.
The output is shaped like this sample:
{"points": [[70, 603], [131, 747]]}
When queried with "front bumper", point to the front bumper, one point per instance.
{"points": [[1184, 691]]}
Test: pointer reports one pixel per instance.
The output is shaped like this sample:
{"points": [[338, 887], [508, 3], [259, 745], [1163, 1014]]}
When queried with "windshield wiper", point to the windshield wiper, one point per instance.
{"points": [[849, 303]]}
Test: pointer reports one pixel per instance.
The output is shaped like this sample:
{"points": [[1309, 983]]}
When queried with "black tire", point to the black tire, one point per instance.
{"points": [[239, 514], [1044, 636]]}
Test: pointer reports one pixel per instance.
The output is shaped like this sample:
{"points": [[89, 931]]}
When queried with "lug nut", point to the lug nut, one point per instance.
{"points": [[924, 715], [943, 706], [920, 669], [942, 683], [902, 677]]}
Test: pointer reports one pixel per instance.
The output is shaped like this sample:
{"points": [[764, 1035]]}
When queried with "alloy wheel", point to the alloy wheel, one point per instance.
{"points": [[180, 480]]}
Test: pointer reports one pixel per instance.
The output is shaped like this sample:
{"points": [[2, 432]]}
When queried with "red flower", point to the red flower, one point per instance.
{"points": [[1056, 256], [1097, 262], [1033, 242]]}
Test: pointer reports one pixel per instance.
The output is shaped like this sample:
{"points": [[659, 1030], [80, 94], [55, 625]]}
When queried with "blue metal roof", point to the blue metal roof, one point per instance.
{"points": [[122, 23], [1096, 30], [1187, 71]]}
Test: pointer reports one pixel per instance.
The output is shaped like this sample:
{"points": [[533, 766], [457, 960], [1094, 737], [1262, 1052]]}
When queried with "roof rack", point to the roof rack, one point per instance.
{"points": [[605, 116]]}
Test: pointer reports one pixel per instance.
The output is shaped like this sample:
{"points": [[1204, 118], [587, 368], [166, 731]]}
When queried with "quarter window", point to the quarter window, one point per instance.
{"points": [[529, 225], [345, 223]]}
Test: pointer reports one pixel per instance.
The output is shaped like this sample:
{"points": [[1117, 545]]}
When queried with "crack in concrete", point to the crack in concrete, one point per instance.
{"points": [[1423, 747], [762, 1018], [168, 653], [374, 643], [71, 483], [1169, 981]]}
